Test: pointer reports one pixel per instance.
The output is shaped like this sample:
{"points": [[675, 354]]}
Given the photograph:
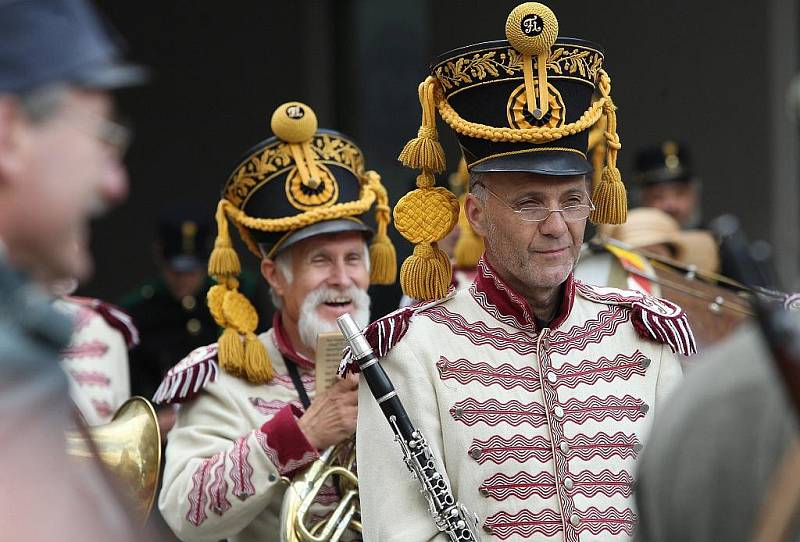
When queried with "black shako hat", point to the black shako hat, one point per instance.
{"points": [[485, 84], [300, 183], [667, 162], [59, 41], [183, 236], [523, 105]]}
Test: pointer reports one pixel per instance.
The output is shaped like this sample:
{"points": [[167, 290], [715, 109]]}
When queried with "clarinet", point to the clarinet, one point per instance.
{"points": [[450, 517]]}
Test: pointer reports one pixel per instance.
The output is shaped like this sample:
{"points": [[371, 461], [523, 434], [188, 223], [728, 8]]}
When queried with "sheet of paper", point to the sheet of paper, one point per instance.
{"points": [[329, 354]]}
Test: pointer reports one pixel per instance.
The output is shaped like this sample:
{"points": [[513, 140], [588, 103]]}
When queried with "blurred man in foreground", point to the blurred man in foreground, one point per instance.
{"points": [[59, 167]]}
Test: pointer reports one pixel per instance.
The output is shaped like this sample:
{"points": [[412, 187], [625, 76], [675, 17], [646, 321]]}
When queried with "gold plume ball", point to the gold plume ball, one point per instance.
{"points": [[532, 28], [294, 122], [426, 216]]}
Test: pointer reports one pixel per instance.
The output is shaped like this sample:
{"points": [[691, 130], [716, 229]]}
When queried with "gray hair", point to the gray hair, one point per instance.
{"points": [[284, 261], [476, 186]]}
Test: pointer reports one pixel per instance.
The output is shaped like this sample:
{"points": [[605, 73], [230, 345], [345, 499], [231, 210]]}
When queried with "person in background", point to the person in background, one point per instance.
{"points": [[666, 181], [657, 233]]}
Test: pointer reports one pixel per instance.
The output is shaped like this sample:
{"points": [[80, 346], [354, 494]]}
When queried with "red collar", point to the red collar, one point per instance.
{"points": [[284, 345], [506, 305]]}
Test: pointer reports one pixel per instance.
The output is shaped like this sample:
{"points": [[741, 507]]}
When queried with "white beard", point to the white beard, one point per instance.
{"points": [[311, 325]]}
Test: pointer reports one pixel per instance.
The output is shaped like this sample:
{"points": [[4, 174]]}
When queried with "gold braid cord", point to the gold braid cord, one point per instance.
{"points": [[351, 208], [517, 135]]}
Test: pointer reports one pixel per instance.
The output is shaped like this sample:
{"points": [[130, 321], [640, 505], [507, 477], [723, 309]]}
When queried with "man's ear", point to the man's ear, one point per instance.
{"points": [[273, 276], [475, 210], [12, 139]]}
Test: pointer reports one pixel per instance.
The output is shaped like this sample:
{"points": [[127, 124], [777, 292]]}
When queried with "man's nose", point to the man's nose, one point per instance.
{"points": [[113, 182], [339, 275], [554, 225]]}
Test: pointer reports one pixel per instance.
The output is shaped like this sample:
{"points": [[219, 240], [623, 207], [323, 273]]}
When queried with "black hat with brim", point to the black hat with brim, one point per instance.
{"points": [[44, 42], [484, 84]]}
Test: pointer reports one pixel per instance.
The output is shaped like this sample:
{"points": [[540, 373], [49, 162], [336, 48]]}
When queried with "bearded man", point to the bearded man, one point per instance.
{"points": [[534, 391], [250, 415]]}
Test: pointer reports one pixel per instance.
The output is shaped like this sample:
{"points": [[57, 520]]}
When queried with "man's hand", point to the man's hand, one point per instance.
{"points": [[331, 417]]}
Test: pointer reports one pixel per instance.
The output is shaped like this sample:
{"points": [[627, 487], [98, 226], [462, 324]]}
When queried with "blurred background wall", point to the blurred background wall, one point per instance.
{"points": [[713, 74]]}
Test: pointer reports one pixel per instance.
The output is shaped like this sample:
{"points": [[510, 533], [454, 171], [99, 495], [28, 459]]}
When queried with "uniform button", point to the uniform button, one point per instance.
{"points": [[637, 448], [551, 377], [475, 453], [193, 326], [189, 302], [272, 477], [644, 408], [488, 529], [575, 520], [483, 491], [645, 363], [559, 412], [458, 413], [568, 483], [564, 447]]}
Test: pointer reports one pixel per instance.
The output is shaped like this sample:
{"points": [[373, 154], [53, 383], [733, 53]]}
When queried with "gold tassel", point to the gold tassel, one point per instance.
{"points": [[224, 262], [610, 199], [469, 247], [231, 352], [243, 358], [256, 360], [383, 259], [425, 151], [426, 274], [609, 195], [382, 255]]}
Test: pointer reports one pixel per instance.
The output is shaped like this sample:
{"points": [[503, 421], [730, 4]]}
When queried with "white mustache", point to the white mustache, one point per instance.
{"points": [[310, 325]]}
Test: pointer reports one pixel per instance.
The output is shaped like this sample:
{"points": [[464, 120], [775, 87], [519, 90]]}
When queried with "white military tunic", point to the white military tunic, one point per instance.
{"points": [[231, 444], [537, 430], [96, 360]]}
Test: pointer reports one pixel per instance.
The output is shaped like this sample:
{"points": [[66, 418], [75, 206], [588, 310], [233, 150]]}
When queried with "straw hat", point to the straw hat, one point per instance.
{"points": [[646, 227]]}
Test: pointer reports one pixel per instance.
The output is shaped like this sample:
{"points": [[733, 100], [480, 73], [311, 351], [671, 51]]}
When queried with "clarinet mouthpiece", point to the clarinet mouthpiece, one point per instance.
{"points": [[352, 334]]}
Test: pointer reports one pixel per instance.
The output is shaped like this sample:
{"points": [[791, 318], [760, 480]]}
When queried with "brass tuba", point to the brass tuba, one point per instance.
{"points": [[337, 463], [130, 448]]}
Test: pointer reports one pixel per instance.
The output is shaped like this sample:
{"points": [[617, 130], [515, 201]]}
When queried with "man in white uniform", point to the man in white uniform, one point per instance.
{"points": [[535, 391], [249, 413]]}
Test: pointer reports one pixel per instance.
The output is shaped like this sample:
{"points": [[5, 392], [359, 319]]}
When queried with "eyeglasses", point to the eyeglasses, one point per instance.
{"points": [[115, 134], [570, 213]]}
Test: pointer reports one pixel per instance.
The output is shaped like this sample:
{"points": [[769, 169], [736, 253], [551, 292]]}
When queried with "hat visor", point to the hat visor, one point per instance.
{"points": [[340, 225], [110, 76], [184, 264], [556, 163]]}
